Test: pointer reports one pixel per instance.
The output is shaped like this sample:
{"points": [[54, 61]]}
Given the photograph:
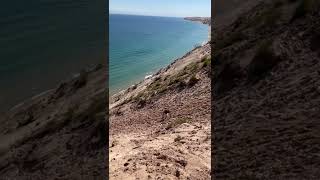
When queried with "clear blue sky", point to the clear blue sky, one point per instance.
{"points": [[174, 8]]}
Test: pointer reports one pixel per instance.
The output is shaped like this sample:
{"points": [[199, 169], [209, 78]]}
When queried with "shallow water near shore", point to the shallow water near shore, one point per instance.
{"points": [[141, 45]]}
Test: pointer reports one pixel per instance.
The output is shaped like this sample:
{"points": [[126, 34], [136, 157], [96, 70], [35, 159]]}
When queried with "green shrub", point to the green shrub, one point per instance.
{"points": [[191, 68], [204, 58], [206, 62], [193, 80], [182, 84], [141, 102]]}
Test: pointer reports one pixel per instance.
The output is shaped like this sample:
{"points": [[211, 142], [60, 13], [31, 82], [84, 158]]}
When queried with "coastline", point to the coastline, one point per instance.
{"points": [[202, 20], [90, 68], [71, 118], [150, 76], [160, 118]]}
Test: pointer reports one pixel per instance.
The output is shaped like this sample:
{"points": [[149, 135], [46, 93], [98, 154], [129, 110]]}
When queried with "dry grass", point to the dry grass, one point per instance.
{"points": [[178, 122]]}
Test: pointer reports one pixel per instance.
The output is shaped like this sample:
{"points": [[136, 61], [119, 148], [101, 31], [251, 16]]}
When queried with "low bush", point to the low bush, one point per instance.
{"points": [[178, 138], [193, 80], [206, 61], [177, 122], [262, 62], [81, 80]]}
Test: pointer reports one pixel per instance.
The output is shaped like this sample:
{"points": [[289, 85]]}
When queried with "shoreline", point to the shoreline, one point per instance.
{"points": [[156, 117], [150, 76], [89, 69], [178, 64], [93, 67], [202, 20]]}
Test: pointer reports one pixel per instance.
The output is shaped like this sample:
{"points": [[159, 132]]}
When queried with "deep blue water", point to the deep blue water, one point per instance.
{"points": [[141, 45], [43, 42]]}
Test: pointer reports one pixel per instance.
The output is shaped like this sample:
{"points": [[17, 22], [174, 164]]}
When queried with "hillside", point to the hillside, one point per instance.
{"points": [[266, 91], [59, 134], [203, 20], [160, 128]]}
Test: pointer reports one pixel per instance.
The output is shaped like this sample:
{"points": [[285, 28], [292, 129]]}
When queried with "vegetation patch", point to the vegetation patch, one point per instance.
{"points": [[141, 102], [26, 119], [140, 99], [97, 105], [267, 18], [226, 79], [206, 61], [178, 138], [193, 80], [177, 122], [81, 80], [262, 62], [180, 80]]}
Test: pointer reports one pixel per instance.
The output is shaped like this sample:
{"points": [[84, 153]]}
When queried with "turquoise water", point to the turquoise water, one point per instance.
{"points": [[141, 45]]}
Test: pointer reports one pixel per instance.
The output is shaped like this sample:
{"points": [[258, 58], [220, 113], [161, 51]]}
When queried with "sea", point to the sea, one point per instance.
{"points": [[43, 42], [139, 46]]}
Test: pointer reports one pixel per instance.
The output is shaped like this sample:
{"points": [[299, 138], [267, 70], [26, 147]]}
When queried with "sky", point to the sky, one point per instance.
{"points": [[171, 8]]}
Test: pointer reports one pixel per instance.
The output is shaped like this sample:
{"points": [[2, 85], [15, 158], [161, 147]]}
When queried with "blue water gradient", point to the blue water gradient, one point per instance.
{"points": [[141, 45]]}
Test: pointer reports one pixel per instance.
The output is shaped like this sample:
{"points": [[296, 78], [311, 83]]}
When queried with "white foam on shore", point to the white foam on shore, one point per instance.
{"points": [[148, 76]]}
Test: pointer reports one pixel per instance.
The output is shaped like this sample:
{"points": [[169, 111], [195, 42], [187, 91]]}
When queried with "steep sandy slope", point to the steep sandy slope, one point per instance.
{"points": [[266, 93], [160, 128], [59, 134]]}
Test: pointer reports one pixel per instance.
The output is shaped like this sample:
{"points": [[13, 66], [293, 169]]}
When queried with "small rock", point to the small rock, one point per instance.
{"points": [[164, 157], [177, 173], [182, 162]]}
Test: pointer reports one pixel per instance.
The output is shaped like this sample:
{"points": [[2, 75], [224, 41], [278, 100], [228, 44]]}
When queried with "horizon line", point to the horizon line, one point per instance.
{"points": [[153, 15]]}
